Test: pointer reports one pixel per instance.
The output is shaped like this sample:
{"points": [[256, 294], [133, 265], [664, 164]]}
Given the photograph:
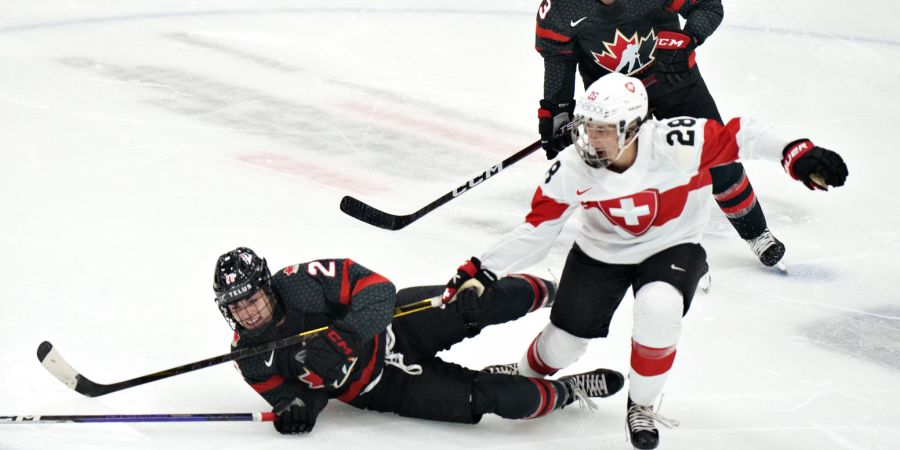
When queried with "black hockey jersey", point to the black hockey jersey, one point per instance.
{"points": [[621, 37], [316, 294]]}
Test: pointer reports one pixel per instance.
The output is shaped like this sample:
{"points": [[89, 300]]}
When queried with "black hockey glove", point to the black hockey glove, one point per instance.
{"points": [[552, 117], [816, 167], [331, 354], [674, 57], [470, 275], [297, 415]]}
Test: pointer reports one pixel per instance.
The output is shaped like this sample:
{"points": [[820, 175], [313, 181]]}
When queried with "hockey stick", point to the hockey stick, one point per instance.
{"points": [[374, 216], [59, 368], [224, 417]]}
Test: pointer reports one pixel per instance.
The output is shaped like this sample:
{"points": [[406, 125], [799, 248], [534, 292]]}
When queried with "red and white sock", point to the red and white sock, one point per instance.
{"points": [[658, 308], [551, 350]]}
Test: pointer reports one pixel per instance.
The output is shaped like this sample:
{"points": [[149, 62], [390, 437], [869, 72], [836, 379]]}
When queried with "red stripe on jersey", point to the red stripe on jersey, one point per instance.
{"points": [[552, 35], [345, 282], [671, 202], [273, 382], [675, 6], [368, 281], [719, 143], [544, 209], [650, 361], [535, 362], [364, 379]]}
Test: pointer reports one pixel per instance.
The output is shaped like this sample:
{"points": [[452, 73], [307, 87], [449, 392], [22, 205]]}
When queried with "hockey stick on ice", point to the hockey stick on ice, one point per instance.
{"points": [[59, 368], [374, 216], [223, 417]]}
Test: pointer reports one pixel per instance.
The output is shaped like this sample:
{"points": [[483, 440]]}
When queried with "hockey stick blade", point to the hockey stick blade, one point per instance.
{"points": [[64, 372], [374, 216]]}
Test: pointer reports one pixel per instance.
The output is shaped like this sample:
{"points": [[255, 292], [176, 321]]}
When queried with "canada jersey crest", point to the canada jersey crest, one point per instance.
{"points": [[627, 55], [634, 213]]}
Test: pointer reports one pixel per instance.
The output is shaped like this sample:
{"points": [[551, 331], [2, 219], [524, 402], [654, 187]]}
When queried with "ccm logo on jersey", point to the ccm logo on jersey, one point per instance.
{"points": [[671, 43]]}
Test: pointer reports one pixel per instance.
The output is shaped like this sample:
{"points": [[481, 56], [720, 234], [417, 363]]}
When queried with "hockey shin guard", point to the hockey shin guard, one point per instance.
{"points": [[658, 307]]}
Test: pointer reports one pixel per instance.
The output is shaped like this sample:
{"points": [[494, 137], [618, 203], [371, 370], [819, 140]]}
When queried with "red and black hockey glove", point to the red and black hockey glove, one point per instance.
{"points": [[331, 354], [674, 57], [816, 167], [297, 414], [553, 116], [470, 275]]}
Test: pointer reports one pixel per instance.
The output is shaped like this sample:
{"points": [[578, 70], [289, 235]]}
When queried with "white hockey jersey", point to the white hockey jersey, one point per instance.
{"points": [[662, 200]]}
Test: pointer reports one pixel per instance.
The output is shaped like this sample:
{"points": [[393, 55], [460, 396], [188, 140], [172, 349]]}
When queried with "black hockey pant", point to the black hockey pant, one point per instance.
{"points": [[449, 392]]}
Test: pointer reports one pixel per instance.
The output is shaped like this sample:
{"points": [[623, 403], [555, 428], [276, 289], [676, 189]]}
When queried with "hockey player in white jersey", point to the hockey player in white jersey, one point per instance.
{"points": [[643, 187]]}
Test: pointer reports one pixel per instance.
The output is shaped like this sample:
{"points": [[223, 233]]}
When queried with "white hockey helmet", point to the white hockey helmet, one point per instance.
{"points": [[614, 100]]}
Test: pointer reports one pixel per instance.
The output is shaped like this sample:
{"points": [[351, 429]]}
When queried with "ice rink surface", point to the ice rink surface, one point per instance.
{"points": [[139, 140]]}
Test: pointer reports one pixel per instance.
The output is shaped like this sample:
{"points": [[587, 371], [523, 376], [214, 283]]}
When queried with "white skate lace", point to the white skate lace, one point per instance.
{"points": [[642, 418], [586, 386], [584, 400], [762, 242], [396, 359]]}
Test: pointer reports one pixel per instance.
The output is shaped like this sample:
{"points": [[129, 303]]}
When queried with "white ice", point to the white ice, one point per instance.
{"points": [[139, 140]]}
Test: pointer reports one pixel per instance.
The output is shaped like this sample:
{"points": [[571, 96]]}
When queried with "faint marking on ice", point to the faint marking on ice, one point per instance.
{"points": [[834, 436], [873, 335], [407, 11], [395, 97]]}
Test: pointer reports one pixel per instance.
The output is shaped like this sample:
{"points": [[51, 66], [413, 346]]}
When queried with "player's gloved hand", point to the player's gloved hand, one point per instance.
{"points": [[470, 275], [816, 167], [331, 354], [674, 56], [297, 414], [552, 117]]}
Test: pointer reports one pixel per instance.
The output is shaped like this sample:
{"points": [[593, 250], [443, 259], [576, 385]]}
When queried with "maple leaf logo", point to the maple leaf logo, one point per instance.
{"points": [[627, 55]]}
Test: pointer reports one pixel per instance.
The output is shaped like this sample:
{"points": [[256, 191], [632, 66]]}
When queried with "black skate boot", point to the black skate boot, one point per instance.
{"points": [[641, 422], [768, 248], [596, 383], [502, 369]]}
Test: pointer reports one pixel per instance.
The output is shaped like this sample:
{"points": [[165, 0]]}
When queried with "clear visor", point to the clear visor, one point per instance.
{"points": [[600, 143]]}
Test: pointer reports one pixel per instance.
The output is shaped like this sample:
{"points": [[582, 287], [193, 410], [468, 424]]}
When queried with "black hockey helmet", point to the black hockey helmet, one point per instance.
{"points": [[238, 275]]}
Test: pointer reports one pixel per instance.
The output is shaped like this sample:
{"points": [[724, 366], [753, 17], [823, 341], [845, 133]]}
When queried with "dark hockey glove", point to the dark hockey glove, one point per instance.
{"points": [[674, 56], [470, 275], [816, 167], [331, 354], [552, 117], [297, 415]]}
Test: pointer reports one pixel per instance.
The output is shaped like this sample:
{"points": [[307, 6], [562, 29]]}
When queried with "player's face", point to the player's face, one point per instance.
{"points": [[605, 138], [253, 312]]}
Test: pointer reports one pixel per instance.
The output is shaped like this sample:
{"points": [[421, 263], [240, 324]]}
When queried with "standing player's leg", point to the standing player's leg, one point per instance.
{"points": [[589, 293], [664, 287], [731, 188]]}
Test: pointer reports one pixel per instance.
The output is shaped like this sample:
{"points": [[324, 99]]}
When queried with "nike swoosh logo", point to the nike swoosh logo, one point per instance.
{"points": [[674, 267], [271, 358], [575, 23], [579, 191]]}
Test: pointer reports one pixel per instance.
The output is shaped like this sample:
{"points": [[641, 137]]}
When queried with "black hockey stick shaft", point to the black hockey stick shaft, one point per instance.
{"points": [[112, 418], [374, 216], [59, 368]]}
